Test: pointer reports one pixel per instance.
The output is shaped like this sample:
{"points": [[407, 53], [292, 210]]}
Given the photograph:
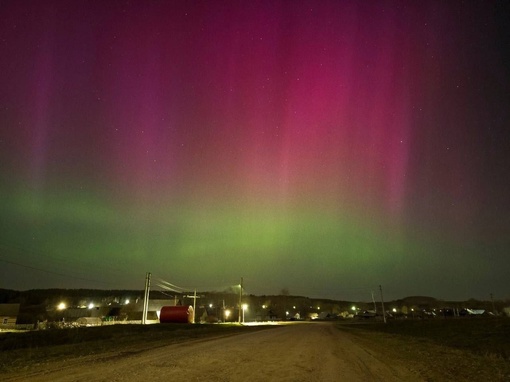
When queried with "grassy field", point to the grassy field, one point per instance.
{"points": [[437, 349], [120, 333], [470, 349], [19, 350]]}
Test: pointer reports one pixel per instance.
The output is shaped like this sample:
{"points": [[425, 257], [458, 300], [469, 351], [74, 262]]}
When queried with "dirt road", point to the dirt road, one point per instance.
{"points": [[294, 352]]}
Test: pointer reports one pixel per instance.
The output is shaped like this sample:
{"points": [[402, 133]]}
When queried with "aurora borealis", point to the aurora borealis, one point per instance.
{"points": [[326, 147]]}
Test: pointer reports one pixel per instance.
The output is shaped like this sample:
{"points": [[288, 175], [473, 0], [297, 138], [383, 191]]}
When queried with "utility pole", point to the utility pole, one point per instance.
{"points": [[240, 299], [382, 303], [493, 306], [194, 297], [146, 297], [194, 304], [375, 305]]}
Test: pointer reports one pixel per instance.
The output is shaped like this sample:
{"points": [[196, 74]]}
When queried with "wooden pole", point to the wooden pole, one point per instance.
{"points": [[382, 303], [146, 297], [240, 299]]}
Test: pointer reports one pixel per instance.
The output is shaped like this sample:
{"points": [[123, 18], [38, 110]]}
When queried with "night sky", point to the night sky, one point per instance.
{"points": [[326, 147]]}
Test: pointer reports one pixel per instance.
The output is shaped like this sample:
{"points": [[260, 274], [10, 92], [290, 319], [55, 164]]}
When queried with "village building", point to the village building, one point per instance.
{"points": [[8, 315]]}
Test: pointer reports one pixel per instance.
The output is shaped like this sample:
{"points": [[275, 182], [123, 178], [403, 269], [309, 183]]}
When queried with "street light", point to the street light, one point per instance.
{"points": [[61, 306]]}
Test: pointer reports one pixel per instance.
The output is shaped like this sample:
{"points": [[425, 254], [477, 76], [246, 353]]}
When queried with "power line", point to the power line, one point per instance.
{"points": [[164, 284], [171, 287], [166, 294], [53, 272], [75, 268]]}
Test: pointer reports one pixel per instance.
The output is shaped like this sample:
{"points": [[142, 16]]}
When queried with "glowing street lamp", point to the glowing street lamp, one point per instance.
{"points": [[61, 306], [227, 314]]}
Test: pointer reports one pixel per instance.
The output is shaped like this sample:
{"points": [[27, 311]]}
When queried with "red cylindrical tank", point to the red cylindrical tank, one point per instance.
{"points": [[176, 314]]}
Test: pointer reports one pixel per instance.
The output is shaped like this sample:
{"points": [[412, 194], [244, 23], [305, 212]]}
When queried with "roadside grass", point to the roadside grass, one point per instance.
{"points": [[52, 337], [482, 336], [20, 350], [468, 349]]}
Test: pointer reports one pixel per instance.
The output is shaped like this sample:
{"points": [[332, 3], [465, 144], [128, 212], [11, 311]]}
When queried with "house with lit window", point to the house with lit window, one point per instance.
{"points": [[8, 315]]}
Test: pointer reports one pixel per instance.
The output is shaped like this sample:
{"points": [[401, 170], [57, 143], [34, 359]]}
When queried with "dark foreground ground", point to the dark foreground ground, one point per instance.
{"points": [[469, 349], [421, 350]]}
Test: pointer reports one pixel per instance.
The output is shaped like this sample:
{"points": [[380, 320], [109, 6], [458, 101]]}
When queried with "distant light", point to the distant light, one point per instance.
{"points": [[264, 306], [61, 306], [91, 305], [294, 307], [210, 305], [127, 301], [227, 313], [394, 310], [353, 307], [245, 306], [287, 313], [319, 307]]}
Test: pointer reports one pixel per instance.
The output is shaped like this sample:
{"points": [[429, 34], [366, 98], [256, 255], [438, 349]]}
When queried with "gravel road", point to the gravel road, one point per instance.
{"points": [[294, 352]]}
